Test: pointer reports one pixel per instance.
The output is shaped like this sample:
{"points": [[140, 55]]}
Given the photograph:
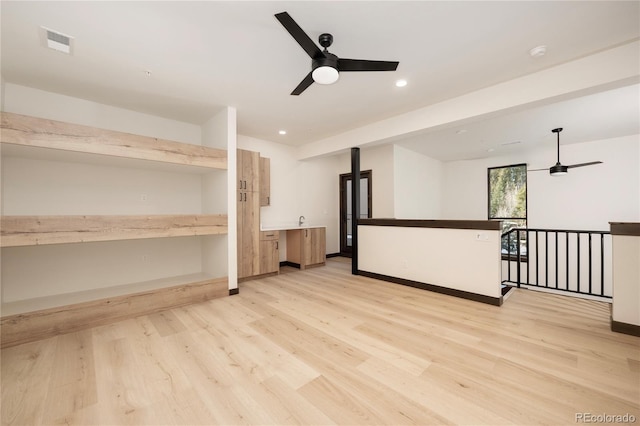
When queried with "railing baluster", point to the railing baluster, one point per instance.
{"points": [[518, 255], [528, 253], [601, 264], [537, 262], [578, 260], [590, 263], [546, 259], [567, 243], [509, 255], [556, 258]]}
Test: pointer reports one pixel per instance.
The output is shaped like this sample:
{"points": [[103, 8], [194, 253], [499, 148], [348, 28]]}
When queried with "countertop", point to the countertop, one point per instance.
{"points": [[288, 227]]}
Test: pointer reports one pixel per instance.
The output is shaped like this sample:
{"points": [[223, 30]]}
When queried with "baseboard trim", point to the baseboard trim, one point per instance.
{"points": [[292, 264], [333, 255], [625, 328], [234, 291], [32, 326], [496, 301]]}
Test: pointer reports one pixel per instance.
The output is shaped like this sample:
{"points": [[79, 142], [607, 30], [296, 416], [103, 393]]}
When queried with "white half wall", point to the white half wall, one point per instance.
{"points": [[626, 279], [434, 256]]}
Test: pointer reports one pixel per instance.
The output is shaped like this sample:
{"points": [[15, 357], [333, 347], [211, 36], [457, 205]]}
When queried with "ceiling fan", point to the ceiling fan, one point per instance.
{"points": [[560, 169], [325, 66]]}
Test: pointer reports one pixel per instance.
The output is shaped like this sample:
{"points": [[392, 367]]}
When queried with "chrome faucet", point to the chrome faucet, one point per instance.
{"points": [[300, 220]]}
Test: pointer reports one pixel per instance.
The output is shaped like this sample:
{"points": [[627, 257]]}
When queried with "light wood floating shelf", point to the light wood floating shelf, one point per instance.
{"points": [[39, 132], [40, 230]]}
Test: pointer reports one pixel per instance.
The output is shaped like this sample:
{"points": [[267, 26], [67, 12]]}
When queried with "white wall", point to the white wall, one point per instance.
{"points": [[417, 185], [38, 103], [586, 198]]}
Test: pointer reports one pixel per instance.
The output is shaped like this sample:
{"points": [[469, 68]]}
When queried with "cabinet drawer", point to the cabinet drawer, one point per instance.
{"points": [[269, 235]]}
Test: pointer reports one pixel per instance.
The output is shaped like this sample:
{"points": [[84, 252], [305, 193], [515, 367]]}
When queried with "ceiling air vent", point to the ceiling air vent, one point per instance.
{"points": [[56, 40]]}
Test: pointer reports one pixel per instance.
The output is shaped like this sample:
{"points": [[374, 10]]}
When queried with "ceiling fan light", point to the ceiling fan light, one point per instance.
{"points": [[325, 75], [558, 170]]}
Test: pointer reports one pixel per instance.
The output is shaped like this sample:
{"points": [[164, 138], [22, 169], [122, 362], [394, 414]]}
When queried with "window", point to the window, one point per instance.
{"points": [[507, 190]]}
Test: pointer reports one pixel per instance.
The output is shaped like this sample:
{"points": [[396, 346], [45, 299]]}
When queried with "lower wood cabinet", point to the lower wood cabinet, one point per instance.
{"points": [[269, 252], [315, 246], [306, 247]]}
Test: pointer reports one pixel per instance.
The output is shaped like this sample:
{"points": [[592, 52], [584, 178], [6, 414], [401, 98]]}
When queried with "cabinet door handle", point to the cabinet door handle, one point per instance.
{"points": [[268, 200], [270, 235], [245, 196], [240, 184], [277, 245], [245, 184], [305, 233]]}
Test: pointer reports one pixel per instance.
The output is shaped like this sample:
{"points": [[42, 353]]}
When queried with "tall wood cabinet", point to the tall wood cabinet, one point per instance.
{"points": [[248, 198], [265, 181]]}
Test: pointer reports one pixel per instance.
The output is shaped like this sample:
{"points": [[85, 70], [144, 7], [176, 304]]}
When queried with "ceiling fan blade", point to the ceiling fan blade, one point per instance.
{"points": [[538, 170], [306, 82], [299, 35], [584, 164], [364, 65]]}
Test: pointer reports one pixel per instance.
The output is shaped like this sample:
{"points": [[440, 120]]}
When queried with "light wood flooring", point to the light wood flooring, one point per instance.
{"points": [[324, 347]]}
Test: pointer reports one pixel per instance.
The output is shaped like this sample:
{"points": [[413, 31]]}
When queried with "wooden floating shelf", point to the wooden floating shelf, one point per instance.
{"points": [[24, 130], [39, 230]]}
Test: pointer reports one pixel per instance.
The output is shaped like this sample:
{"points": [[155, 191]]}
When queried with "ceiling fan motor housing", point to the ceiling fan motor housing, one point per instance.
{"points": [[330, 60], [558, 169]]}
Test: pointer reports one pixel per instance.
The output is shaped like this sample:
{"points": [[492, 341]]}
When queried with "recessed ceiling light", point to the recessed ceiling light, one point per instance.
{"points": [[491, 149], [461, 131], [282, 132], [538, 51], [401, 83]]}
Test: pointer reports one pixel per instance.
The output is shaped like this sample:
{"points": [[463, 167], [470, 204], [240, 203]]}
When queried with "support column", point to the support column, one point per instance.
{"points": [[355, 207]]}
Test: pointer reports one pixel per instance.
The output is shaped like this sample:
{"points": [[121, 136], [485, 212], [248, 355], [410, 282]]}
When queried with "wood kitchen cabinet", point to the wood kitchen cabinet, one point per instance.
{"points": [[306, 247], [248, 170], [248, 199], [269, 252], [265, 181]]}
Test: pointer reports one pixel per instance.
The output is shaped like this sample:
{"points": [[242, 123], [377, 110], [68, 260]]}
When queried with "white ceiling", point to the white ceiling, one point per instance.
{"points": [[205, 55]]}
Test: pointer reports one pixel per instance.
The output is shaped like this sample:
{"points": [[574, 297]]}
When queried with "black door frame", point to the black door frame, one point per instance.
{"points": [[344, 249]]}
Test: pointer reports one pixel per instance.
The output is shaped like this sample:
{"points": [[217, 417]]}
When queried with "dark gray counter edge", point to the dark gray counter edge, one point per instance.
{"points": [[625, 228], [490, 225]]}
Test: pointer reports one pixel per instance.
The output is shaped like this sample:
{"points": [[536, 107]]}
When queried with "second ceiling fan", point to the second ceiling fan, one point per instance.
{"points": [[325, 66], [560, 169]]}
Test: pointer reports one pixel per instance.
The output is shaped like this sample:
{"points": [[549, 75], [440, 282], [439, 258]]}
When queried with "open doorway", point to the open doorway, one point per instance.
{"points": [[346, 215]]}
